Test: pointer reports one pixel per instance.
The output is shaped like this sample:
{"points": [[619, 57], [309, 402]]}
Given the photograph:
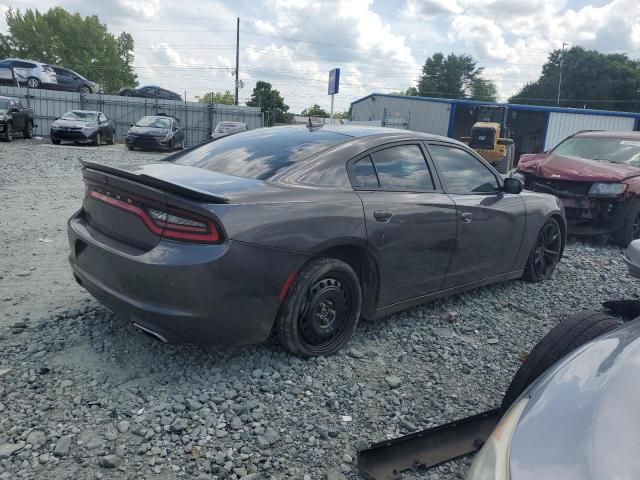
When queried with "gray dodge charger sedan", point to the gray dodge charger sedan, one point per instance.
{"points": [[305, 230]]}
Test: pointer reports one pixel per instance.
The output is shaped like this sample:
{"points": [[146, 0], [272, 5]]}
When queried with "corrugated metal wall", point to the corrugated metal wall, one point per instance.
{"points": [[199, 119], [419, 115], [561, 125]]}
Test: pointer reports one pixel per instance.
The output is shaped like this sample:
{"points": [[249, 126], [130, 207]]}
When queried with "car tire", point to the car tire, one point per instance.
{"points": [[131, 147], [506, 164], [631, 229], [27, 133], [84, 89], [33, 82], [545, 254], [8, 132], [112, 139], [96, 141], [321, 309], [181, 146], [55, 141], [569, 334]]}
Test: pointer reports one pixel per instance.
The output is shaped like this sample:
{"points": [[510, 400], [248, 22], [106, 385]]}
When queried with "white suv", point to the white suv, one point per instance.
{"points": [[33, 74]]}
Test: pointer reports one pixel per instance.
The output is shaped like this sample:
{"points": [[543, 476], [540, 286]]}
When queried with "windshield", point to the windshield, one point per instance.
{"points": [[80, 116], [616, 150], [154, 122], [228, 127], [4, 104], [260, 153]]}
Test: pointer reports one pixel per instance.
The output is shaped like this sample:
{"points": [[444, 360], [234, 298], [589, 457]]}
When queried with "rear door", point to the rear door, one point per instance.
{"points": [[66, 81], [490, 222], [411, 224]]}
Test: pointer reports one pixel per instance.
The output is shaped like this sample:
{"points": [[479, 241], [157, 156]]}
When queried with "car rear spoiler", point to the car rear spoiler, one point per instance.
{"points": [[427, 448], [189, 192]]}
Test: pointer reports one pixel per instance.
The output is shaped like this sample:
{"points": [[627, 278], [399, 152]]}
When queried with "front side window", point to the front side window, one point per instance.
{"points": [[103, 118], [462, 172], [402, 168]]}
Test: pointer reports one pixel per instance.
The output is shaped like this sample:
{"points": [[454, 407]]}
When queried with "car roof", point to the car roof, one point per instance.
{"points": [[23, 60], [358, 131], [84, 111], [608, 134], [230, 122]]}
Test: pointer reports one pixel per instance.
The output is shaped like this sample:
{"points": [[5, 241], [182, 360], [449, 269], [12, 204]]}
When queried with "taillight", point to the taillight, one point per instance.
{"points": [[166, 222]]}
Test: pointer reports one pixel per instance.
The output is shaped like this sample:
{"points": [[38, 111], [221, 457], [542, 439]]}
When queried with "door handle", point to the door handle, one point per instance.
{"points": [[382, 216], [466, 217]]}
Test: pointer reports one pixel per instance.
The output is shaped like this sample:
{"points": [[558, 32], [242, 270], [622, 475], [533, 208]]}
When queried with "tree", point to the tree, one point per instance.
{"points": [[411, 91], [483, 89], [315, 111], [225, 98], [6, 46], [270, 101], [590, 79], [80, 43], [342, 115], [455, 76]]}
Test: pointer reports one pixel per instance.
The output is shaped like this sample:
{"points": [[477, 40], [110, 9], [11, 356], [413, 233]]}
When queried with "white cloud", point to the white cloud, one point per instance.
{"points": [[430, 8], [264, 27]]}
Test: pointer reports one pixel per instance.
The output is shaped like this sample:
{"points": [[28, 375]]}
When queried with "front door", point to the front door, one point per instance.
{"points": [[411, 224], [490, 222]]}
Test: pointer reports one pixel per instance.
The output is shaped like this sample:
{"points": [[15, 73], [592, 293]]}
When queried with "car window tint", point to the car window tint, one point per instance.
{"points": [[462, 172], [363, 175], [24, 65], [402, 168], [261, 153]]}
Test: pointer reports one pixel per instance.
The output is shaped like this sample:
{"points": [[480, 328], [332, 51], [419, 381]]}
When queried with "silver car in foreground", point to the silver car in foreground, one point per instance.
{"points": [[579, 419]]}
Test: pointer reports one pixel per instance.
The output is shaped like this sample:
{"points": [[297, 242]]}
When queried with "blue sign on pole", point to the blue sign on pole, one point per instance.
{"points": [[334, 81]]}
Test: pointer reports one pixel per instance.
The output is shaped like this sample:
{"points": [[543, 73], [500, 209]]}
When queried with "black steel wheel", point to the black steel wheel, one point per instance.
{"points": [[630, 230], [546, 253], [321, 310]]}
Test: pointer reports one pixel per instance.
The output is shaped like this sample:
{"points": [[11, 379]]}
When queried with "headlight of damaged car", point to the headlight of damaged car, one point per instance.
{"points": [[607, 189], [492, 463]]}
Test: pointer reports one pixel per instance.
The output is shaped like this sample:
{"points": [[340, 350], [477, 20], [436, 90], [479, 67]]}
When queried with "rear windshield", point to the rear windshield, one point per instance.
{"points": [[616, 150], [261, 153]]}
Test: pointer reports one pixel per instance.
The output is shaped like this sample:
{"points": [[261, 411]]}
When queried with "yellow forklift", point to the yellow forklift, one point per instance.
{"points": [[491, 136]]}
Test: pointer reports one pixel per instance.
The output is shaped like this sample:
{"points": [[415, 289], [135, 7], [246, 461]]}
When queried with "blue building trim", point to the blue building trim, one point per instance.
{"points": [[513, 106], [546, 129]]}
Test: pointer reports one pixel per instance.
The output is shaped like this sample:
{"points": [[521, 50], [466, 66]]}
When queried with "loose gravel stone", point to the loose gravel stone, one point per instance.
{"points": [[62, 446], [206, 412]]}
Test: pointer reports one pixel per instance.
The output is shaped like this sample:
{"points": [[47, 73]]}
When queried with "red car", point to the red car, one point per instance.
{"points": [[596, 174]]}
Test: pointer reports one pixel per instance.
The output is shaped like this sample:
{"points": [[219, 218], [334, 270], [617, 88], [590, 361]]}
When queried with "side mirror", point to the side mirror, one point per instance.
{"points": [[57, 118], [131, 124], [14, 110], [512, 185]]}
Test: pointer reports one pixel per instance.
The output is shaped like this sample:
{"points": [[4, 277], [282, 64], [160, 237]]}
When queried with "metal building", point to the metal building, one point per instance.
{"points": [[535, 128]]}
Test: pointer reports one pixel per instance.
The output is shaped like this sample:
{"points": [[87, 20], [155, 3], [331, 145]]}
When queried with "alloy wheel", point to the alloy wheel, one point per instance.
{"points": [[326, 314], [547, 250], [33, 83]]}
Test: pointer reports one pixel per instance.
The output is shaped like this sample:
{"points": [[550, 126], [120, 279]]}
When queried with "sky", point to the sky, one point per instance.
{"points": [[379, 45]]}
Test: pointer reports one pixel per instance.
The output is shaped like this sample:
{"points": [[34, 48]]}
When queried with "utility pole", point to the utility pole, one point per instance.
{"points": [[561, 65], [237, 56]]}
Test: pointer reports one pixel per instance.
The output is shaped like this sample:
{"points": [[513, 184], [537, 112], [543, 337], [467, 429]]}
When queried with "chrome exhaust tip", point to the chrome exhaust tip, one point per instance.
{"points": [[150, 333]]}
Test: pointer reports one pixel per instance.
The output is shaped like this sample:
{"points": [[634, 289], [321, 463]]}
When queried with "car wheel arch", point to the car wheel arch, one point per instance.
{"points": [[365, 265], [563, 229]]}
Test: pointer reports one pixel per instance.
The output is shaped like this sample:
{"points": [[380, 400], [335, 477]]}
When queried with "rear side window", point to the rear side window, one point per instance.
{"points": [[363, 175], [262, 153], [402, 168], [24, 65], [462, 172]]}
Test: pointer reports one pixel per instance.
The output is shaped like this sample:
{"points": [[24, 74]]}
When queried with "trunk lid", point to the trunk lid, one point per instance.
{"points": [[575, 169]]}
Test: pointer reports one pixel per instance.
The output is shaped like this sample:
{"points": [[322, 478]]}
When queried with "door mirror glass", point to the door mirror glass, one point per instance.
{"points": [[512, 185]]}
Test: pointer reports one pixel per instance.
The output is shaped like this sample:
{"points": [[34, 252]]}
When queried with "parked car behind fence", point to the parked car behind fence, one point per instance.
{"points": [[150, 91]]}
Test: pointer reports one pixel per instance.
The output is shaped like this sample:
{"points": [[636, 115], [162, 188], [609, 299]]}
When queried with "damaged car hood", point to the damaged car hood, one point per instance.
{"points": [[575, 169], [581, 421]]}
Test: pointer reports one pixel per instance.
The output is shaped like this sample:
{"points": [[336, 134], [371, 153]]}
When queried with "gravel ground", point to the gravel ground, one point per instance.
{"points": [[83, 396]]}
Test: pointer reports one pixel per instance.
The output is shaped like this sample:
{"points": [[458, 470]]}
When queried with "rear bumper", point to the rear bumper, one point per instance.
{"points": [[186, 293]]}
